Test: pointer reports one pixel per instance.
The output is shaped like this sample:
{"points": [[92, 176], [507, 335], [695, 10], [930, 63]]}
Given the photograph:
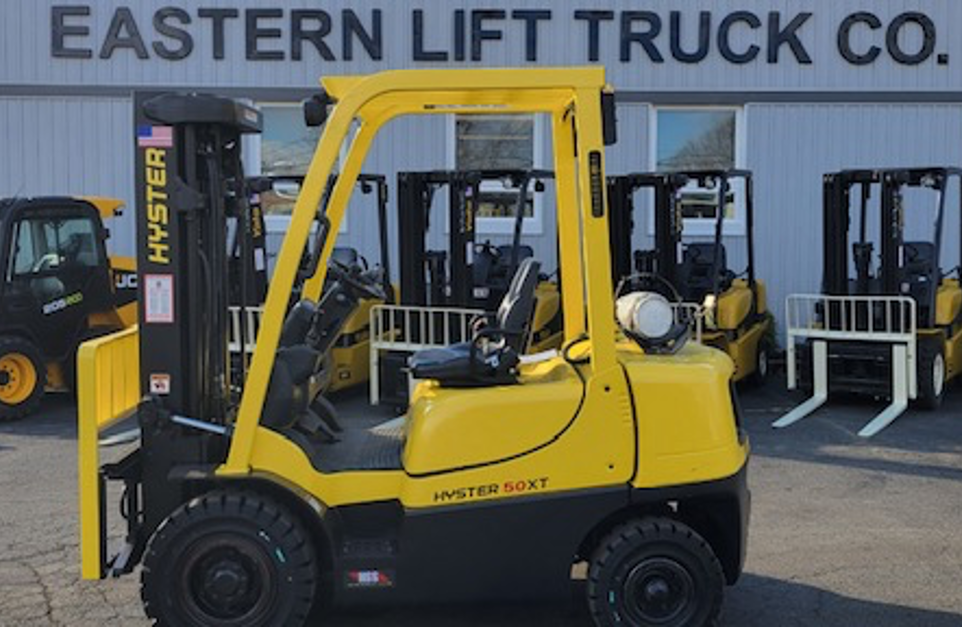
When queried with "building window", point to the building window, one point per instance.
{"points": [[702, 138], [508, 142], [286, 147]]}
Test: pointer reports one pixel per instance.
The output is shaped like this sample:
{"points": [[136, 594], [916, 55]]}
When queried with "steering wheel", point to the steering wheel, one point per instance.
{"points": [[360, 283]]}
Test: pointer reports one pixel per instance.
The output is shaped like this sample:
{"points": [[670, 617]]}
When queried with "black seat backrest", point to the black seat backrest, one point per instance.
{"points": [[297, 324], [516, 307], [921, 272], [524, 252], [346, 256], [698, 261], [919, 259]]}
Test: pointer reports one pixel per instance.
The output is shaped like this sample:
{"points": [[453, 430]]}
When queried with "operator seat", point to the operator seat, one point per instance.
{"points": [[921, 273], [492, 354], [696, 271]]}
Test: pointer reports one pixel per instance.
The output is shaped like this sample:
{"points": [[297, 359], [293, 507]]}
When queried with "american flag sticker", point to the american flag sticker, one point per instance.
{"points": [[155, 136]]}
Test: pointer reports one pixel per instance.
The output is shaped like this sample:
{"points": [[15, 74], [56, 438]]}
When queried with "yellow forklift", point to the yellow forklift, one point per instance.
{"points": [[350, 355], [732, 305], [501, 475], [58, 287]]}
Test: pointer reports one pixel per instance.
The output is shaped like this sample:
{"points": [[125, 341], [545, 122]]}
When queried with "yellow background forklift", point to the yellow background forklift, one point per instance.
{"points": [[697, 270], [57, 288], [502, 474]]}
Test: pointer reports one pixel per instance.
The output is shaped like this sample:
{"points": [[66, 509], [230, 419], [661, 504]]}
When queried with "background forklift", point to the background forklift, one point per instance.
{"points": [[58, 289], [350, 353], [466, 274], [504, 470], [736, 318], [911, 269]]}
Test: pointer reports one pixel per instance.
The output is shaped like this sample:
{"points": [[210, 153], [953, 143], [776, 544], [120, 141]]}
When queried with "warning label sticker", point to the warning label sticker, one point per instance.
{"points": [[158, 298], [159, 384]]}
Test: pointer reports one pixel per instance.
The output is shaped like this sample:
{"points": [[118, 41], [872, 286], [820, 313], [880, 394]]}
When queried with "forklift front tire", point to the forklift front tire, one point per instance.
{"points": [[229, 558], [23, 377], [762, 364], [931, 377], [655, 571]]}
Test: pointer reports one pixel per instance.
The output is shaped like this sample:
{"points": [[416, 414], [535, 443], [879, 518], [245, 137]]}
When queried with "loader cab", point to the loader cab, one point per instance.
{"points": [[55, 271]]}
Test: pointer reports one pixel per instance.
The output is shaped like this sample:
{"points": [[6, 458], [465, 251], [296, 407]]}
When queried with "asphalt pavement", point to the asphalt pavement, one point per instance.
{"points": [[845, 532]]}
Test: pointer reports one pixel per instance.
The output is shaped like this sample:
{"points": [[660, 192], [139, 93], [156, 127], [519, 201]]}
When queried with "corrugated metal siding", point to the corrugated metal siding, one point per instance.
{"points": [[70, 146], [25, 33], [791, 146]]}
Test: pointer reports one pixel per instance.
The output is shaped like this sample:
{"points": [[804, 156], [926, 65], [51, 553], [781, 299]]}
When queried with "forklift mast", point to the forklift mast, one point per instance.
{"points": [[190, 180], [892, 277], [448, 278]]}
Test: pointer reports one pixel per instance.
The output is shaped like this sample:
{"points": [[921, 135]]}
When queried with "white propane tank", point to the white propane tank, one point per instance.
{"points": [[646, 314]]}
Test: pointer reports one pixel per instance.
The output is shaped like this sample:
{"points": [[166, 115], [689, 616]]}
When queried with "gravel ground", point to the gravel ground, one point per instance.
{"points": [[844, 532]]}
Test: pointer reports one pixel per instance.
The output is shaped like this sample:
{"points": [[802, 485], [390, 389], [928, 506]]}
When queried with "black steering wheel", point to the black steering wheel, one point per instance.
{"points": [[361, 283]]}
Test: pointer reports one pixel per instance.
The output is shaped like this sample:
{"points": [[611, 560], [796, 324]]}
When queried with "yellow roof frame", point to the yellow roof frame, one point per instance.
{"points": [[572, 99]]}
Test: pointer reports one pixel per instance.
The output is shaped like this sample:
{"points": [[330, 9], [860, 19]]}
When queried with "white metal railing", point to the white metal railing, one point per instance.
{"points": [[234, 339], [412, 328], [880, 319]]}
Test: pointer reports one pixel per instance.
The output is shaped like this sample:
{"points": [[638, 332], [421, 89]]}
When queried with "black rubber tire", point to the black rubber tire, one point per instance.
{"points": [[10, 344], [763, 364], [931, 391], [655, 544], [243, 536]]}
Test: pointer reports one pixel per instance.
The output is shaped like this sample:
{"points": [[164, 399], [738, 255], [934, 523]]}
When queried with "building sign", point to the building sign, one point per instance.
{"points": [[174, 33]]}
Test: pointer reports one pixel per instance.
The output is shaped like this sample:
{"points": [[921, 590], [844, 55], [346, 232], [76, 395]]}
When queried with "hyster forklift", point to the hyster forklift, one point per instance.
{"points": [[349, 360], [503, 473], [733, 308], [468, 273], [893, 327], [57, 288]]}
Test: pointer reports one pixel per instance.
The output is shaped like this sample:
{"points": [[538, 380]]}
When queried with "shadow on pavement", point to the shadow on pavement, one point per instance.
{"points": [[759, 601], [57, 418], [908, 446]]}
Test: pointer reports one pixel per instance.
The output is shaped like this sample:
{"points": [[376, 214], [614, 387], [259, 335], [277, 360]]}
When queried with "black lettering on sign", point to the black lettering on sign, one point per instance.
{"points": [[255, 32], [531, 19], [750, 20], [594, 18], [845, 38], [479, 33], [419, 53], [353, 27], [460, 39], [704, 38], [217, 18], [646, 37], [778, 37], [301, 33], [161, 25], [60, 30], [921, 20], [123, 33]]}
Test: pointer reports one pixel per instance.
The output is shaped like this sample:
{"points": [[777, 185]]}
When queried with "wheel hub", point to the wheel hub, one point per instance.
{"points": [[226, 580], [938, 374], [659, 591], [17, 378]]}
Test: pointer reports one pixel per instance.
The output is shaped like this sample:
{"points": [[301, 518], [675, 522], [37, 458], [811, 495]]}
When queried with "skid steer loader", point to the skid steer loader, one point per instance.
{"points": [[503, 473]]}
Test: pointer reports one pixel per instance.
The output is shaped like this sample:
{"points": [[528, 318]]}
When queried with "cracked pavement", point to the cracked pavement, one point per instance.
{"points": [[845, 532]]}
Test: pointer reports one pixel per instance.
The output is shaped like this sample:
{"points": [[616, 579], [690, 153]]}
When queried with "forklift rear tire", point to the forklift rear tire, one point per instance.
{"points": [[931, 377], [229, 558], [655, 571], [762, 364], [23, 377]]}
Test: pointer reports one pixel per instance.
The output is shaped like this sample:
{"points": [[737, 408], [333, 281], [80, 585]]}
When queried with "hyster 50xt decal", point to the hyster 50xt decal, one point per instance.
{"points": [[155, 174], [520, 486]]}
